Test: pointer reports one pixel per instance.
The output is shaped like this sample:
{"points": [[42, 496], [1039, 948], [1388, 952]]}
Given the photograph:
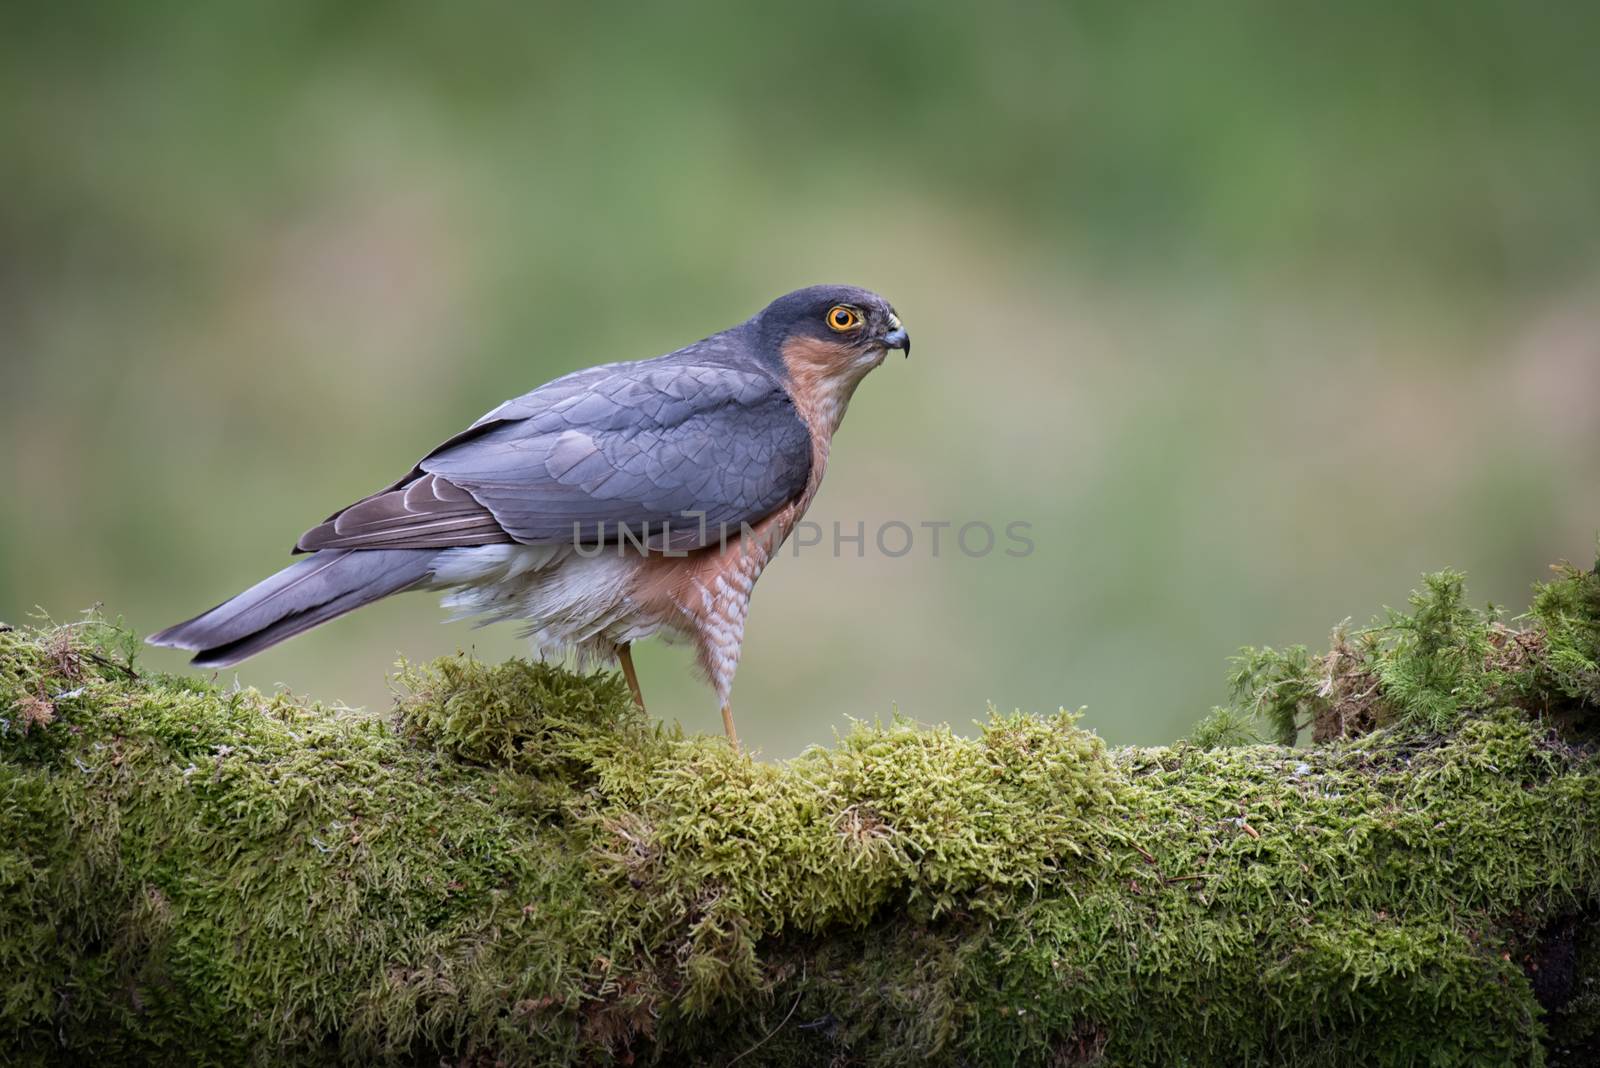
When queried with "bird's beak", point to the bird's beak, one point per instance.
{"points": [[897, 338]]}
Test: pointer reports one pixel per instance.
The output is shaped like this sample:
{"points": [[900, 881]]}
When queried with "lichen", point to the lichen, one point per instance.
{"points": [[516, 866]]}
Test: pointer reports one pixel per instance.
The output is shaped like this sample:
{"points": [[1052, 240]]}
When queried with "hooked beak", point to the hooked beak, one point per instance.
{"points": [[897, 338]]}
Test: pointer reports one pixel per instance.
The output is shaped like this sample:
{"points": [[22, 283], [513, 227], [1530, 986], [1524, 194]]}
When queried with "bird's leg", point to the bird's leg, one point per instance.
{"points": [[719, 655], [625, 655]]}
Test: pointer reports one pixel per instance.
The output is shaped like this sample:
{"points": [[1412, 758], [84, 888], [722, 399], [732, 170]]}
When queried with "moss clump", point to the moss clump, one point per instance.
{"points": [[517, 867], [551, 729], [711, 852], [1560, 655], [1425, 668]]}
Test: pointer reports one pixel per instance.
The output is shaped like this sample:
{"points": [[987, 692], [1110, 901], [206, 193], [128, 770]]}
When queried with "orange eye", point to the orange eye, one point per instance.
{"points": [[842, 318]]}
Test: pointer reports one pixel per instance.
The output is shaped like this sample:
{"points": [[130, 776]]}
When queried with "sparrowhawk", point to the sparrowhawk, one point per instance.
{"points": [[604, 507]]}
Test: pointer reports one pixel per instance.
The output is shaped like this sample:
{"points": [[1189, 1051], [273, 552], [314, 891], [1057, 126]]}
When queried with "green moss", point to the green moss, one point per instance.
{"points": [[712, 851], [1567, 663], [517, 867], [1422, 669], [1277, 686], [1434, 662], [1225, 728], [228, 871]]}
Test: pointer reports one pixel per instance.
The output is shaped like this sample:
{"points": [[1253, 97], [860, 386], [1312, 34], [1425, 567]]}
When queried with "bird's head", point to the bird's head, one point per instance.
{"points": [[845, 318], [827, 338]]}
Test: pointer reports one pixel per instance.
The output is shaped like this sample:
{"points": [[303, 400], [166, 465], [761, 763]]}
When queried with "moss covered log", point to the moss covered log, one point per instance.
{"points": [[516, 868]]}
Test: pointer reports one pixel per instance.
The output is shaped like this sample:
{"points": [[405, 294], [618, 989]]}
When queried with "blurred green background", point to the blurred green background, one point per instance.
{"points": [[1254, 311]]}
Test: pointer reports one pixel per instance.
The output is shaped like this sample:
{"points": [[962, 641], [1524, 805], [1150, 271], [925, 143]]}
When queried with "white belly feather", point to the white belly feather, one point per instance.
{"points": [[570, 603]]}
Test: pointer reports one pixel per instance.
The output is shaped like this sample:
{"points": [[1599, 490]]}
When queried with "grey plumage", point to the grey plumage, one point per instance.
{"points": [[674, 448], [301, 596]]}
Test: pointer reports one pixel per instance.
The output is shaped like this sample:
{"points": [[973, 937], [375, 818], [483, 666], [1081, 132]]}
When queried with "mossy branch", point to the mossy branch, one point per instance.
{"points": [[516, 867]]}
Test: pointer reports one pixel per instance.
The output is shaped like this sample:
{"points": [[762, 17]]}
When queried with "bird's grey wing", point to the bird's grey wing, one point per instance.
{"points": [[677, 453]]}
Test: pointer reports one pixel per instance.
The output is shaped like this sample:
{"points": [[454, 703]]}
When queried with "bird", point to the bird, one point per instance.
{"points": [[607, 506]]}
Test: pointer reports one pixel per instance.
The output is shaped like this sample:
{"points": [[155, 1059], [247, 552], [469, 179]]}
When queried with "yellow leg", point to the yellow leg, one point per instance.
{"points": [[625, 655], [727, 725]]}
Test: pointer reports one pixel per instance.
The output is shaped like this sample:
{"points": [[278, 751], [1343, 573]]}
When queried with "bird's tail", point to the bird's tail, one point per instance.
{"points": [[307, 593]]}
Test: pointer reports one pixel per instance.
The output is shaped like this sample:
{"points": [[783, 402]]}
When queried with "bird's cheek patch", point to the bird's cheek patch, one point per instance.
{"points": [[813, 358]]}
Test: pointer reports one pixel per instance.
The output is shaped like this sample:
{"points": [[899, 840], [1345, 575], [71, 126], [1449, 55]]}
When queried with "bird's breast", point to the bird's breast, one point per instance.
{"points": [[706, 593]]}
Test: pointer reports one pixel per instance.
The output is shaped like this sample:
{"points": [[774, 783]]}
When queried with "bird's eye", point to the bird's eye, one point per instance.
{"points": [[842, 318]]}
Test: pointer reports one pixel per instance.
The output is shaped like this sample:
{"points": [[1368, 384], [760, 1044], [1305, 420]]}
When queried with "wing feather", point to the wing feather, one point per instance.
{"points": [[676, 451]]}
